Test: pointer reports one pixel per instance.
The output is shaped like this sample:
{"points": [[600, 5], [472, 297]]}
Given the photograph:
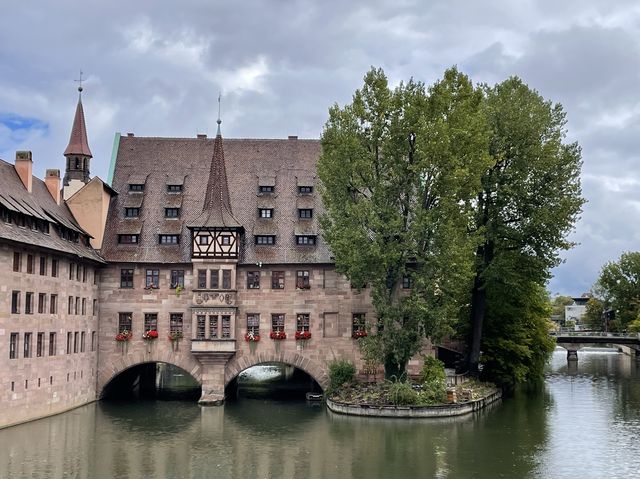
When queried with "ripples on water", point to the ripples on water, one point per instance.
{"points": [[584, 423]]}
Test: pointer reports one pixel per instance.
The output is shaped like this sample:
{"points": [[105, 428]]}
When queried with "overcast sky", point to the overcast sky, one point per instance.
{"points": [[155, 67]]}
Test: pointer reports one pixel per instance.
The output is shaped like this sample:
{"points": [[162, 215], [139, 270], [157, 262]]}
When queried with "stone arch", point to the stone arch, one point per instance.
{"points": [[315, 369], [127, 361]]}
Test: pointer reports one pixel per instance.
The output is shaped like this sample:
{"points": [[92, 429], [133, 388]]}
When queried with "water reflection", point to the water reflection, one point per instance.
{"points": [[585, 422]]}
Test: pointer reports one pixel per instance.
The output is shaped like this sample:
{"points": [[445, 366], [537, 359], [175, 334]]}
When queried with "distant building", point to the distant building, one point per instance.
{"points": [[576, 311]]}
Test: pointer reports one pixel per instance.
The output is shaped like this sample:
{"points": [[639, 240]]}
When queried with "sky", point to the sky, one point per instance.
{"points": [[156, 67]]}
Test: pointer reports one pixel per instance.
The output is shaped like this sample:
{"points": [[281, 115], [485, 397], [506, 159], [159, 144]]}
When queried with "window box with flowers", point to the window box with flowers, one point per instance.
{"points": [[150, 335], [175, 336], [360, 333], [278, 335], [303, 335], [123, 336], [251, 337]]}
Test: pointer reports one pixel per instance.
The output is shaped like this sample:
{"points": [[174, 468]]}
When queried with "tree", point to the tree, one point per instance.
{"points": [[557, 306], [399, 171], [619, 288], [529, 201], [593, 316]]}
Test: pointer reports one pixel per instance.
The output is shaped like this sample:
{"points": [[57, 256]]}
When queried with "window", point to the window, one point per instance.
{"points": [[226, 240], [128, 239], [17, 261], [126, 278], [253, 324], [406, 282], [302, 280], [277, 322], [265, 190], [84, 274], [69, 342], [95, 276], [253, 279], [201, 324], [43, 265], [175, 323], [302, 322], [136, 187], [15, 302], [226, 326], [214, 278], [131, 212], [28, 303], [177, 278], [152, 279], [30, 263], [75, 342], [305, 213], [171, 212], [94, 307], [27, 345], [83, 337], [84, 306], [265, 212], [53, 304], [124, 322], [174, 188], [213, 327], [277, 280], [203, 240], [169, 239], [42, 300], [53, 344], [40, 345], [226, 279], [202, 278], [76, 310], [78, 273], [72, 270], [150, 322], [70, 305], [358, 325], [305, 190], [13, 345], [93, 340], [54, 268], [305, 240], [265, 239]]}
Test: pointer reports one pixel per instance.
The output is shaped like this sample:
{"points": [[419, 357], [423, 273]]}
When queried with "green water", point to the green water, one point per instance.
{"points": [[584, 423]]}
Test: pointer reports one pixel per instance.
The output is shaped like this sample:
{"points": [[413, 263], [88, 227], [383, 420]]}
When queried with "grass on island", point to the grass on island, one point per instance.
{"points": [[429, 390]]}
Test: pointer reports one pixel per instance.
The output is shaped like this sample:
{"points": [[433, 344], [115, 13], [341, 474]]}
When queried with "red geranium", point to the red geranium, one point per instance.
{"points": [[303, 334], [252, 337], [360, 333], [151, 334], [124, 335], [278, 335]]}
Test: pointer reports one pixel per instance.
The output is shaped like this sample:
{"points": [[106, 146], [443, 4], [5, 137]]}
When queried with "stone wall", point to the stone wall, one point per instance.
{"points": [[44, 383]]}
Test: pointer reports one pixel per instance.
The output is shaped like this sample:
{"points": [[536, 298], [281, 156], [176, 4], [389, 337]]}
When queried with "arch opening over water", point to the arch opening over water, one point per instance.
{"points": [[152, 380]]}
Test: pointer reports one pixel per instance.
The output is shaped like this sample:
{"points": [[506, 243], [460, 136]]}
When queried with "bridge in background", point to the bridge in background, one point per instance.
{"points": [[573, 341]]}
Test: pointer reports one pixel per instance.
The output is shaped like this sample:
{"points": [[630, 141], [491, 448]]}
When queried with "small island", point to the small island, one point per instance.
{"points": [[421, 397]]}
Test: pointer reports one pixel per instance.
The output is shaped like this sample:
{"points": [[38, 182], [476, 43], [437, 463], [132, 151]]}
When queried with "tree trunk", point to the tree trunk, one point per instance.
{"points": [[478, 308], [392, 370]]}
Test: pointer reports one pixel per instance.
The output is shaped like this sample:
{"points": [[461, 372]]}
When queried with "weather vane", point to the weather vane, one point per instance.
{"points": [[79, 81]]}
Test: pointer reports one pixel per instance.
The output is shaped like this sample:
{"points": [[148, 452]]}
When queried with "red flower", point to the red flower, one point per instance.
{"points": [[360, 333], [123, 336], [278, 335], [303, 334], [250, 336], [151, 334]]}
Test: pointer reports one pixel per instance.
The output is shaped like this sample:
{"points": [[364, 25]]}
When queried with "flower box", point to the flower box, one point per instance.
{"points": [[123, 336], [175, 335], [251, 337], [361, 333], [278, 335], [150, 335], [303, 335]]}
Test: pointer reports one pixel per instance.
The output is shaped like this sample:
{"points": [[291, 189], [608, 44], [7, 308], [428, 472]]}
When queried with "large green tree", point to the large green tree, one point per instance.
{"points": [[400, 173], [529, 201], [619, 288]]}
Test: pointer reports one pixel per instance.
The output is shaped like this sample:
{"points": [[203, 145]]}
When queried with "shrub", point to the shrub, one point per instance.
{"points": [[402, 394], [341, 371], [432, 370], [433, 392]]}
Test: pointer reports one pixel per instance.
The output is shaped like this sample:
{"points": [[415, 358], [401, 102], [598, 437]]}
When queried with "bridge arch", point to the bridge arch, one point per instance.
{"points": [[318, 371], [185, 362]]}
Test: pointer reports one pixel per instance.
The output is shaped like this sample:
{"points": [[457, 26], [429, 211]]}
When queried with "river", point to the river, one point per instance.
{"points": [[583, 423]]}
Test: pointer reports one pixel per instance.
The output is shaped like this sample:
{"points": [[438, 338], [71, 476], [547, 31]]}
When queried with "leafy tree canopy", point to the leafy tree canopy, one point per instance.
{"points": [[619, 288]]}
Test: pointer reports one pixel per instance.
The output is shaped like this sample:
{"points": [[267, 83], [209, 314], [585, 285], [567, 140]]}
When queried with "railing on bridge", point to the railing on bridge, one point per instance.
{"points": [[593, 334]]}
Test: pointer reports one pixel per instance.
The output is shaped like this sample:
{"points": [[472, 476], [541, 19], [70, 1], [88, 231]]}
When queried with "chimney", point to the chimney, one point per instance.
{"points": [[52, 182], [293, 137], [24, 168], [202, 136], [130, 134]]}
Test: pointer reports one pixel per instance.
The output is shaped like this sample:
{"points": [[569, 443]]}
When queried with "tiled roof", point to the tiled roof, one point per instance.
{"points": [[39, 204], [78, 144], [284, 164]]}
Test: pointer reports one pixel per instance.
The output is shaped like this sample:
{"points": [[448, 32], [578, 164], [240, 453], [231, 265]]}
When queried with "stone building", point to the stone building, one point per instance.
{"points": [[201, 253]]}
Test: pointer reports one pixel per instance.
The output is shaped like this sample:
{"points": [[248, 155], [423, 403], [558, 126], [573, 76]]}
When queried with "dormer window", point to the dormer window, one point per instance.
{"points": [[171, 212], [265, 212], [128, 239], [305, 240], [174, 188], [131, 212], [305, 190], [265, 239], [136, 187], [169, 239], [203, 240], [305, 213], [265, 189]]}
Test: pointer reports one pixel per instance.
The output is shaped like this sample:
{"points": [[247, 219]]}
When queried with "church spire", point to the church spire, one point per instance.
{"points": [[77, 152]]}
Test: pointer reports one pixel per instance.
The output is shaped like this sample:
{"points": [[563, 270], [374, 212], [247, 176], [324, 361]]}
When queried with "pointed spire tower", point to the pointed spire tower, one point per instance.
{"points": [[216, 231], [77, 152]]}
